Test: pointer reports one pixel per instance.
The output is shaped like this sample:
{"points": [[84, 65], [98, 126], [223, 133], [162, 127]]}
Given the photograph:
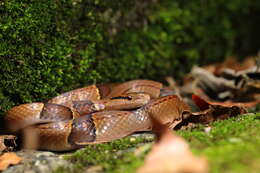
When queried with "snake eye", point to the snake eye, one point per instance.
{"points": [[122, 97]]}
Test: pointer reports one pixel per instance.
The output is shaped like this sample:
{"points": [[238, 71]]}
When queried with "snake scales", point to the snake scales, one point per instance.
{"points": [[96, 114]]}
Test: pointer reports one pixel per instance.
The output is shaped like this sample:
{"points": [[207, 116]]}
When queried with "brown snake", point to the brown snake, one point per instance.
{"points": [[96, 114]]}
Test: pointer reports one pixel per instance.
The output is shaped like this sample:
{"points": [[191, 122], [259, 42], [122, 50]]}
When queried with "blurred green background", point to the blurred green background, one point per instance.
{"points": [[48, 47]]}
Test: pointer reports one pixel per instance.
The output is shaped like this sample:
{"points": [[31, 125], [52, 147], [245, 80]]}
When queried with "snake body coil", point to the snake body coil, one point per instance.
{"points": [[96, 114]]}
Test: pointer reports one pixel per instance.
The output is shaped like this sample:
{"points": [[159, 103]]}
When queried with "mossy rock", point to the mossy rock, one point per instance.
{"points": [[48, 47]]}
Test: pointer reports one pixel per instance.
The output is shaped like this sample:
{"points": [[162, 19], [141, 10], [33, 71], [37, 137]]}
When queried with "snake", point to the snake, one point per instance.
{"points": [[97, 113]]}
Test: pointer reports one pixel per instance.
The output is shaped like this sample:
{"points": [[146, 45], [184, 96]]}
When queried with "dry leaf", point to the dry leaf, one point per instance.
{"points": [[230, 63], [7, 142], [171, 154], [211, 112], [229, 82], [212, 86], [203, 104], [8, 159]]}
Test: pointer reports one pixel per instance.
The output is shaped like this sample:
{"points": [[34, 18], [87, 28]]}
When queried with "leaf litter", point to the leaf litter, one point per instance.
{"points": [[7, 143], [216, 92], [171, 154], [9, 159]]}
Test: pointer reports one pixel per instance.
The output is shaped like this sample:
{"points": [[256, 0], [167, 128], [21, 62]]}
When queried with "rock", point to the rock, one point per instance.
{"points": [[38, 162]]}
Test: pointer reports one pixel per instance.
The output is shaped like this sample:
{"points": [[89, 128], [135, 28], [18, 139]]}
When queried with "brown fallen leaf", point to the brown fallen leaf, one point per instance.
{"points": [[214, 87], [7, 142], [229, 81], [171, 154], [8, 159], [203, 104], [230, 63], [212, 111]]}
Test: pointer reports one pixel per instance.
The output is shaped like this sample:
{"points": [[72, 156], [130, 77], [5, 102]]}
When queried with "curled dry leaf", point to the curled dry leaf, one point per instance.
{"points": [[232, 63], [229, 81], [213, 86], [7, 142], [213, 111], [203, 104], [8, 159], [171, 154]]}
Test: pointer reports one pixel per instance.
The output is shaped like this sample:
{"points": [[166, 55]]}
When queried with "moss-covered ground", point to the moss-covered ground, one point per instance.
{"points": [[231, 146]]}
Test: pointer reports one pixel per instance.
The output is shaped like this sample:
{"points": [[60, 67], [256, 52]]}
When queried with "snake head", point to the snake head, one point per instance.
{"points": [[127, 101], [137, 98]]}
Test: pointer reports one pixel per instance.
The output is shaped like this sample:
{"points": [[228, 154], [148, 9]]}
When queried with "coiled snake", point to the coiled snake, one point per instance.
{"points": [[96, 114]]}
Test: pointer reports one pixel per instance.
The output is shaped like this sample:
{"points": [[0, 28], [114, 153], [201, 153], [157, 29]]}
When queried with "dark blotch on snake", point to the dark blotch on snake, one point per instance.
{"points": [[83, 130], [84, 107]]}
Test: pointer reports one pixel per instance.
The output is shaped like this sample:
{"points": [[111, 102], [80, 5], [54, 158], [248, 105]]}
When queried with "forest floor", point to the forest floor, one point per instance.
{"points": [[230, 146]]}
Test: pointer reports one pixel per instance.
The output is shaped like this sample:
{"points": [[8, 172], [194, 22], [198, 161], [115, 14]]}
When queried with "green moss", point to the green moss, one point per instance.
{"points": [[231, 146], [116, 156], [48, 47]]}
